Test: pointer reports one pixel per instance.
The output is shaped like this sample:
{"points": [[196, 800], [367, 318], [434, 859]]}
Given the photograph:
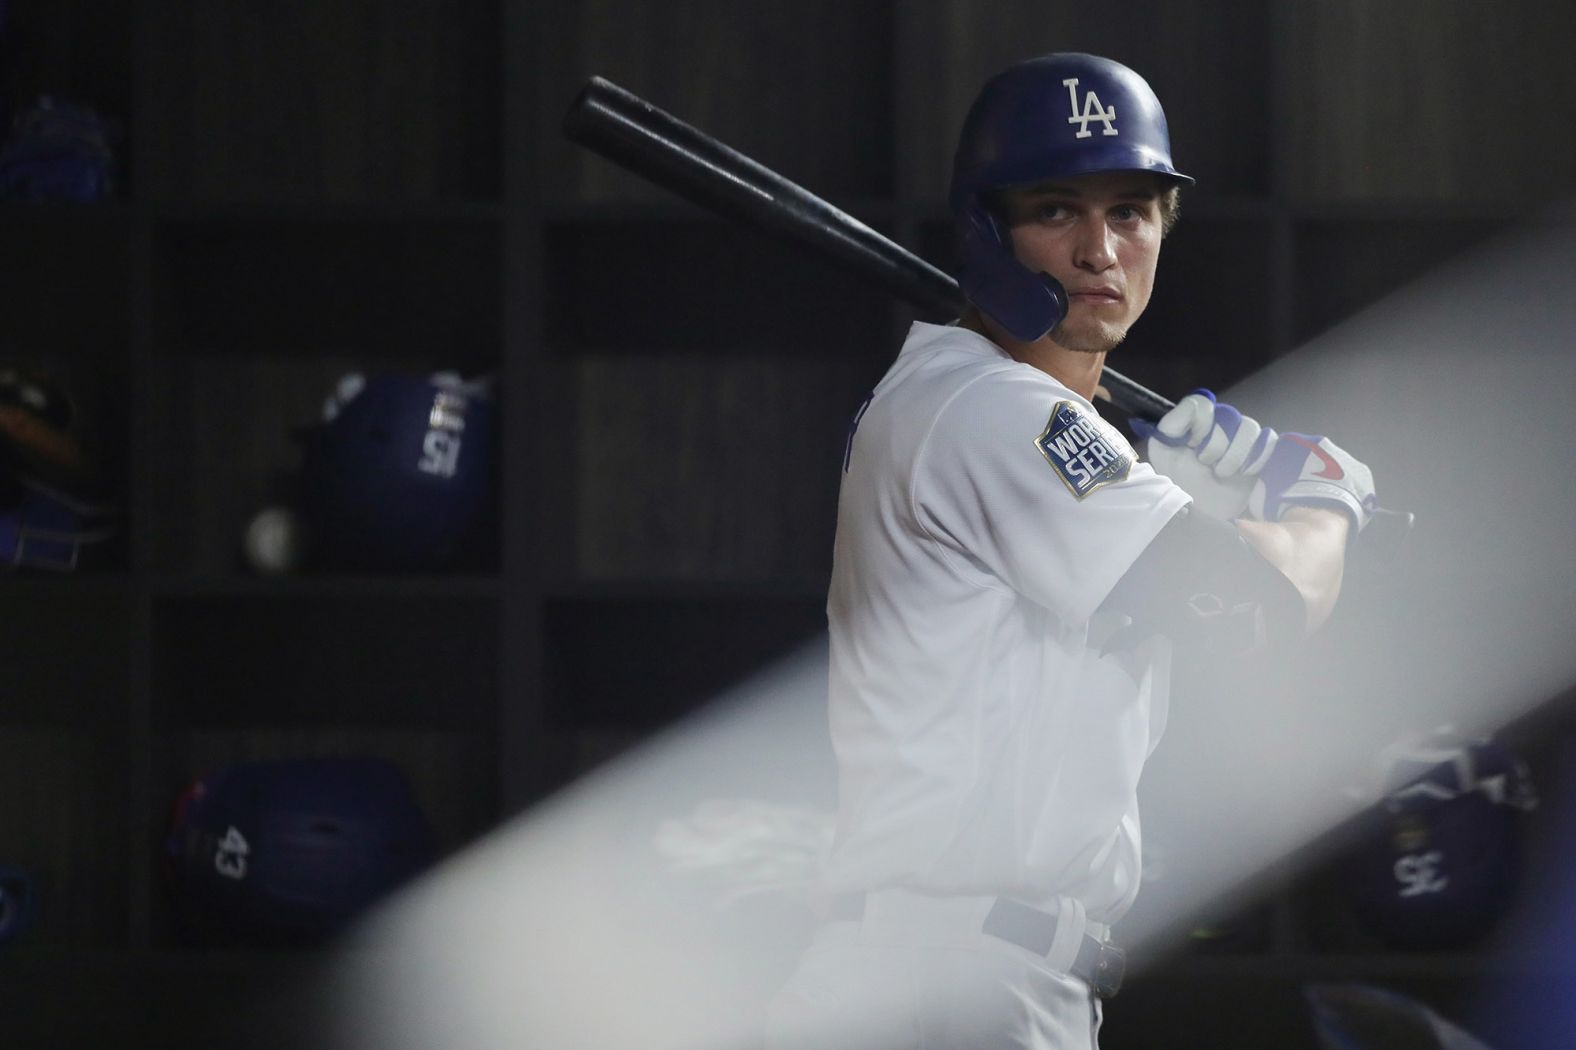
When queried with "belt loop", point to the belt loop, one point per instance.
{"points": [[1070, 923]]}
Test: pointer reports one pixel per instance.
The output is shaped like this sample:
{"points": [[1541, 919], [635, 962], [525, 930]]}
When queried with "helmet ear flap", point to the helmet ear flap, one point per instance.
{"points": [[1025, 303]]}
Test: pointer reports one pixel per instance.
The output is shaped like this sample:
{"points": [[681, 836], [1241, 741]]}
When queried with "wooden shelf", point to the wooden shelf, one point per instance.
{"points": [[1366, 966], [319, 586], [327, 214], [765, 591]]}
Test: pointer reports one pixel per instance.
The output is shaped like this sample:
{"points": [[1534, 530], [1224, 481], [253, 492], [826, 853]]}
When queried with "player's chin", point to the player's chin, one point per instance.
{"points": [[1089, 338]]}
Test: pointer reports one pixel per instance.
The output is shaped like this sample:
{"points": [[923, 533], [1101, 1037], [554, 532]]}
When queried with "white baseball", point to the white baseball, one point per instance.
{"points": [[273, 540]]}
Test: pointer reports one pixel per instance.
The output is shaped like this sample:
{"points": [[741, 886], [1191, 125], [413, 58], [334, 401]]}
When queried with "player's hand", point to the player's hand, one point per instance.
{"points": [[1310, 470], [1212, 451]]}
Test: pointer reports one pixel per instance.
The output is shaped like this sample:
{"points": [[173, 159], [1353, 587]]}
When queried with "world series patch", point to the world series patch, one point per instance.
{"points": [[1074, 442]]}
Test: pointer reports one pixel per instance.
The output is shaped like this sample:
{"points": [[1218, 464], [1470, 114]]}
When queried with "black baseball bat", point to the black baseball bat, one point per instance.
{"points": [[628, 130]]}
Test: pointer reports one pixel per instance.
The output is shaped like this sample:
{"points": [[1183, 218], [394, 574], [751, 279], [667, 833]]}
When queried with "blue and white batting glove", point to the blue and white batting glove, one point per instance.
{"points": [[1310, 470], [1212, 451]]}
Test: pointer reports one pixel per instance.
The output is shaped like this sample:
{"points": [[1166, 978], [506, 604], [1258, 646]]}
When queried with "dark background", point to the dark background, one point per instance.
{"points": [[310, 187]]}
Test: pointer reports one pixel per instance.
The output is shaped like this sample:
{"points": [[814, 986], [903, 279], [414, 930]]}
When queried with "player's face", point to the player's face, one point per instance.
{"points": [[1100, 236]]}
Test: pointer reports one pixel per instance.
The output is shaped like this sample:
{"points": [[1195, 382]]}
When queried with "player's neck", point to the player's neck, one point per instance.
{"points": [[1078, 370]]}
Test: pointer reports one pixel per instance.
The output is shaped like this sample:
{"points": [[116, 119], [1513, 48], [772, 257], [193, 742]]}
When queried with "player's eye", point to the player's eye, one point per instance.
{"points": [[1130, 213]]}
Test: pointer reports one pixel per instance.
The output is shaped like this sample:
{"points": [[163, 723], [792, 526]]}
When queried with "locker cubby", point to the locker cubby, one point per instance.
{"points": [[700, 470], [344, 101], [400, 289], [422, 659], [232, 444], [63, 825], [642, 662], [652, 286]]}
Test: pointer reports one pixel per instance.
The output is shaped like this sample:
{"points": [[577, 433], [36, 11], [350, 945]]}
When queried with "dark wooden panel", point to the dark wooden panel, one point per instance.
{"points": [[78, 51], [1206, 59], [228, 450], [325, 99], [1431, 99], [169, 999], [63, 653], [1346, 265], [48, 1009], [63, 822], [413, 291], [1211, 319], [701, 287], [65, 274], [1268, 1006], [639, 663], [362, 661], [805, 88], [1249, 1012], [694, 469]]}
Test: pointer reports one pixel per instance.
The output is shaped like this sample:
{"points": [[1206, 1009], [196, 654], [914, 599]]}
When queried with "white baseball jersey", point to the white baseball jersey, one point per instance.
{"points": [[985, 746]]}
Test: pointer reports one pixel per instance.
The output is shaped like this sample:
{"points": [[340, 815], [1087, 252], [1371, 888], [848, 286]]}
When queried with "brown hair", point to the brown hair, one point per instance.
{"points": [[1170, 208]]}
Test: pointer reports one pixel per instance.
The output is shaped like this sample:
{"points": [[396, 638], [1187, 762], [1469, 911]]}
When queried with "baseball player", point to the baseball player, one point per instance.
{"points": [[1010, 581]]}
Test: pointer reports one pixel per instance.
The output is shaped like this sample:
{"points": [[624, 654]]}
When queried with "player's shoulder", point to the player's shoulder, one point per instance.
{"points": [[951, 362], [951, 348], [1020, 411], [967, 389], [1008, 394]]}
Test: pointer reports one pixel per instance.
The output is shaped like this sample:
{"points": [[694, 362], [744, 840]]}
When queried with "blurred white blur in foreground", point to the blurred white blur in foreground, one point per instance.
{"points": [[587, 924], [653, 904]]}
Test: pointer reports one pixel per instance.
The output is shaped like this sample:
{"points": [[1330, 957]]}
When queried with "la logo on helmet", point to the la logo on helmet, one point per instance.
{"points": [[1093, 110]]}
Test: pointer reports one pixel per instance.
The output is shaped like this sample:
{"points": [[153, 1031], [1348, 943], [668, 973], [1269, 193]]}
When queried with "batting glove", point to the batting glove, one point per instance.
{"points": [[1311, 470], [1212, 451]]}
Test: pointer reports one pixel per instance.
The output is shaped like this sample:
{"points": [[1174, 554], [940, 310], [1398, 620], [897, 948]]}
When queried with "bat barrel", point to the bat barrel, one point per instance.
{"points": [[636, 134]]}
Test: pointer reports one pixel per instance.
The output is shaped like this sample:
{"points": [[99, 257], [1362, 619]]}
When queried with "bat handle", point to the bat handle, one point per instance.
{"points": [[1388, 533], [1133, 398]]}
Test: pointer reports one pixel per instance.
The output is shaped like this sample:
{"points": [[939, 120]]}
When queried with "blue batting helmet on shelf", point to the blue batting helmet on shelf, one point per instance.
{"points": [[291, 850], [16, 902], [59, 151], [1051, 117], [1438, 861], [401, 473], [52, 503]]}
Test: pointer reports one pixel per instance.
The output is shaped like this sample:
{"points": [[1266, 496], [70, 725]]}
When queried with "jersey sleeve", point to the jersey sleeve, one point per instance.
{"points": [[1023, 484]]}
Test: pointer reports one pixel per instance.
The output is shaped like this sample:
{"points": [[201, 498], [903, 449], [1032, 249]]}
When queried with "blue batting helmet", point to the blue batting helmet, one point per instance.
{"points": [[290, 850], [16, 902], [1050, 117], [402, 474], [52, 505], [1439, 860], [58, 151]]}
